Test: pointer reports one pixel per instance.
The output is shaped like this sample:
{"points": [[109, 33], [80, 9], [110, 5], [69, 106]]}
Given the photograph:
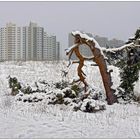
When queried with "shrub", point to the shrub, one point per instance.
{"points": [[27, 90], [14, 85], [90, 105], [69, 93], [75, 88], [61, 85]]}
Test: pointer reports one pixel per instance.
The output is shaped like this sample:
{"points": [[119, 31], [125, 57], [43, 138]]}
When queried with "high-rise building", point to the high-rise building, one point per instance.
{"points": [[3, 44], [33, 37], [26, 51], [11, 36], [27, 43], [51, 48], [45, 47], [10, 42], [57, 50]]}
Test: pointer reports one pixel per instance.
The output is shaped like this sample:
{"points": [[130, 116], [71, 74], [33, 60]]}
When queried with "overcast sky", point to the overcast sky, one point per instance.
{"points": [[110, 19]]}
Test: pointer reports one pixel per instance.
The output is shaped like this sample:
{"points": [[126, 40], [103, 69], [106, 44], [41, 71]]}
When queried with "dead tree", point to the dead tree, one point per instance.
{"points": [[81, 74], [98, 58]]}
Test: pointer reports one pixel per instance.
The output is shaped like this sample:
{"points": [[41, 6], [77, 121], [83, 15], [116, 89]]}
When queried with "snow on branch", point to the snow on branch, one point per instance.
{"points": [[89, 58], [86, 37], [124, 47], [82, 35], [87, 40], [68, 50], [102, 49]]}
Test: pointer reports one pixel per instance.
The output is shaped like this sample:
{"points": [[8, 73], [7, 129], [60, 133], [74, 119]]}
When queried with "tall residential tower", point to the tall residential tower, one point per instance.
{"points": [[10, 42], [28, 43]]}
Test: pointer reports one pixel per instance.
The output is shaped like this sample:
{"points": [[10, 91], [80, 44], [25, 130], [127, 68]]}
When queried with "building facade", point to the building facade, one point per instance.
{"points": [[33, 42], [10, 42], [28, 43], [3, 44], [51, 48], [57, 51]]}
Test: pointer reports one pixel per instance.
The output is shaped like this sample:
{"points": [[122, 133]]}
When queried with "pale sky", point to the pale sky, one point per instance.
{"points": [[110, 19]]}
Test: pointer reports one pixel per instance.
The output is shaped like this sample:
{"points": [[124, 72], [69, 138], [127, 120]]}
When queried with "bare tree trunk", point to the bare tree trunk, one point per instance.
{"points": [[106, 77], [80, 72], [100, 61]]}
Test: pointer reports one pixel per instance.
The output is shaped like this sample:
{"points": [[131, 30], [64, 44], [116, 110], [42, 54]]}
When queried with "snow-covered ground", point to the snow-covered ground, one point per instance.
{"points": [[39, 120]]}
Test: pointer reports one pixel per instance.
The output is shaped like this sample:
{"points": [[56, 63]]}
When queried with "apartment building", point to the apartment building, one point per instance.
{"points": [[28, 43], [49, 51], [57, 50], [33, 42], [10, 42], [3, 44]]}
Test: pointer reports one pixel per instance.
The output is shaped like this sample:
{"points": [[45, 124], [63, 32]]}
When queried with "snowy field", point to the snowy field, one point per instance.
{"points": [[39, 120]]}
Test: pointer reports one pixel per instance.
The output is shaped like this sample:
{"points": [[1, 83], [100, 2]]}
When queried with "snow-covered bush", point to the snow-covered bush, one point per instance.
{"points": [[36, 97], [65, 96], [96, 94], [61, 85], [26, 89], [61, 92], [67, 101], [137, 99], [75, 88], [69, 93], [59, 95], [14, 85], [90, 105]]}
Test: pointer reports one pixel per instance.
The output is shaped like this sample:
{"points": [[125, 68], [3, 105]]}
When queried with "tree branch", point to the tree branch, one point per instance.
{"points": [[76, 61], [70, 49], [90, 58], [124, 47]]}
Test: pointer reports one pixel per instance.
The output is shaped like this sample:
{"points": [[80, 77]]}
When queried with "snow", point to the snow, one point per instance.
{"points": [[40, 120], [93, 103], [70, 48], [85, 36], [132, 37], [113, 50], [82, 35]]}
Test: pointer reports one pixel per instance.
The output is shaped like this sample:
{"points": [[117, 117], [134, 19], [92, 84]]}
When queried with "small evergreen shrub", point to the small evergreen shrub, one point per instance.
{"points": [[61, 85], [75, 88], [14, 85], [27, 90]]}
